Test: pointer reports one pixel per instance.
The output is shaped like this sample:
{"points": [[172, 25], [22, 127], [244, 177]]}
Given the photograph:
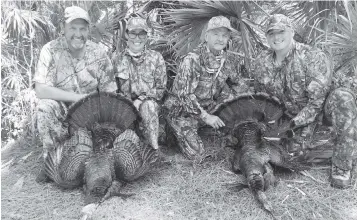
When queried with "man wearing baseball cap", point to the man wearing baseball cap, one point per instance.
{"points": [[69, 68], [200, 85], [141, 76], [300, 76]]}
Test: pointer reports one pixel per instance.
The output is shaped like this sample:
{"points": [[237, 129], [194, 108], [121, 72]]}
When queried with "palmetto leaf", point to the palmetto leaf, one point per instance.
{"points": [[344, 38], [20, 24], [102, 31], [109, 16], [311, 17], [188, 19]]}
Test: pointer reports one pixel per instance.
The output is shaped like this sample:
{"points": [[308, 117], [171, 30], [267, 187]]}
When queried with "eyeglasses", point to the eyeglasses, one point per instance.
{"points": [[141, 35]]}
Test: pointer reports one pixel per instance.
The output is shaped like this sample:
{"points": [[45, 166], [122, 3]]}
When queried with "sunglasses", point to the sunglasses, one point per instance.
{"points": [[141, 35]]}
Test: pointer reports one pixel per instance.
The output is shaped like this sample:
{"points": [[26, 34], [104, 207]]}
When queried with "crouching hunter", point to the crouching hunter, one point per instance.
{"points": [[201, 84]]}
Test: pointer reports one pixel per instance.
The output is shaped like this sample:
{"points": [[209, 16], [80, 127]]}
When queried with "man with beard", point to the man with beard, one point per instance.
{"points": [[141, 77], [200, 85], [300, 76], [68, 69]]}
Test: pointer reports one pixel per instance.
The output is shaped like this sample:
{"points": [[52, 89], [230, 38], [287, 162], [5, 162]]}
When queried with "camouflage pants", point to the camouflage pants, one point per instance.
{"points": [[183, 132], [183, 124], [50, 115], [149, 112], [341, 111]]}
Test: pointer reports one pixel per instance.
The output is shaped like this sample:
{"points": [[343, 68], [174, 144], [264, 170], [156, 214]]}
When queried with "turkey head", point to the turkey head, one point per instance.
{"points": [[99, 168]]}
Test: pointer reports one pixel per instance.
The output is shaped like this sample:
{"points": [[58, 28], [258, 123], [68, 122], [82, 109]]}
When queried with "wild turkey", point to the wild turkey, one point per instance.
{"points": [[249, 118], [117, 151]]}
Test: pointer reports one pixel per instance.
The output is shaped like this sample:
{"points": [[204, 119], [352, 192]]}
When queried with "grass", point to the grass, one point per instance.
{"points": [[178, 190]]}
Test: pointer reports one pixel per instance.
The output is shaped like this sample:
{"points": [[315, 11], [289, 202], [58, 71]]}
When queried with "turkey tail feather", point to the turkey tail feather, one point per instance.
{"points": [[102, 107], [258, 107]]}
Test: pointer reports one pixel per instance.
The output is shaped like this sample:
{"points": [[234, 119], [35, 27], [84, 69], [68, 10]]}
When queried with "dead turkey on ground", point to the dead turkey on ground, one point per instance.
{"points": [[251, 118], [109, 152]]}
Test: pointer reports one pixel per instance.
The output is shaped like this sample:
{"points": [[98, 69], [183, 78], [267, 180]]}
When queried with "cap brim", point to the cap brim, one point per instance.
{"points": [[68, 20], [230, 29], [138, 28], [277, 27]]}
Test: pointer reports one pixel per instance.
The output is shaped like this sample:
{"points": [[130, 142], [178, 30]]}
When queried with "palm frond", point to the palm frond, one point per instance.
{"points": [[186, 21], [343, 39], [109, 29], [310, 17], [21, 24]]}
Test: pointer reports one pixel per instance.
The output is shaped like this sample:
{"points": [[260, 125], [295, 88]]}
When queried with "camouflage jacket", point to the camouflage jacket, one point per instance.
{"points": [[301, 82], [56, 67], [142, 78], [201, 82]]}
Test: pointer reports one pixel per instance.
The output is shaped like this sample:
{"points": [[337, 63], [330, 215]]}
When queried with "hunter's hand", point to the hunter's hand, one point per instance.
{"points": [[213, 121], [78, 97], [137, 103]]}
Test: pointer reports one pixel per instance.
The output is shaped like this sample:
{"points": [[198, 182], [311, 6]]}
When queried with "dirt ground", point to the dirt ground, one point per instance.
{"points": [[177, 190]]}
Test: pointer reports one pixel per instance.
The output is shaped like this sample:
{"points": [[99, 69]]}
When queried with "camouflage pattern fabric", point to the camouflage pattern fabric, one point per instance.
{"points": [[201, 82], [184, 134], [341, 111], [302, 82], [149, 111], [57, 68], [345, 79], [144, 76], [200, 85], [50, 116]]}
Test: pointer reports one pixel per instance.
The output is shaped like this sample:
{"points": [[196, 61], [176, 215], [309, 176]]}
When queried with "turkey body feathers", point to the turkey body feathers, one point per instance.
{"points": [[132, 158], [64, 169]]}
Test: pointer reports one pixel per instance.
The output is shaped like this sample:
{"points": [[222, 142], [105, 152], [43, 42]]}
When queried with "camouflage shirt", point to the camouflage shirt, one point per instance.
{"points": [[302, 81], [56, 67], [143, 77], [202, 78]]}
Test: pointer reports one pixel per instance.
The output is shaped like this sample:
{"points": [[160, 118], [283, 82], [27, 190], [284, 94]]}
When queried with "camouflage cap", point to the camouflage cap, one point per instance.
{"points": [[278, 22], [137, 23], [74, 12], [219, 21]]}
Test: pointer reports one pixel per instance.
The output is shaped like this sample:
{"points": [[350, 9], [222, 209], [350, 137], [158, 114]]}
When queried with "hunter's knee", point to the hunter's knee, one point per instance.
{"points": [[47, 105], [149, 105], [340, 107]]}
